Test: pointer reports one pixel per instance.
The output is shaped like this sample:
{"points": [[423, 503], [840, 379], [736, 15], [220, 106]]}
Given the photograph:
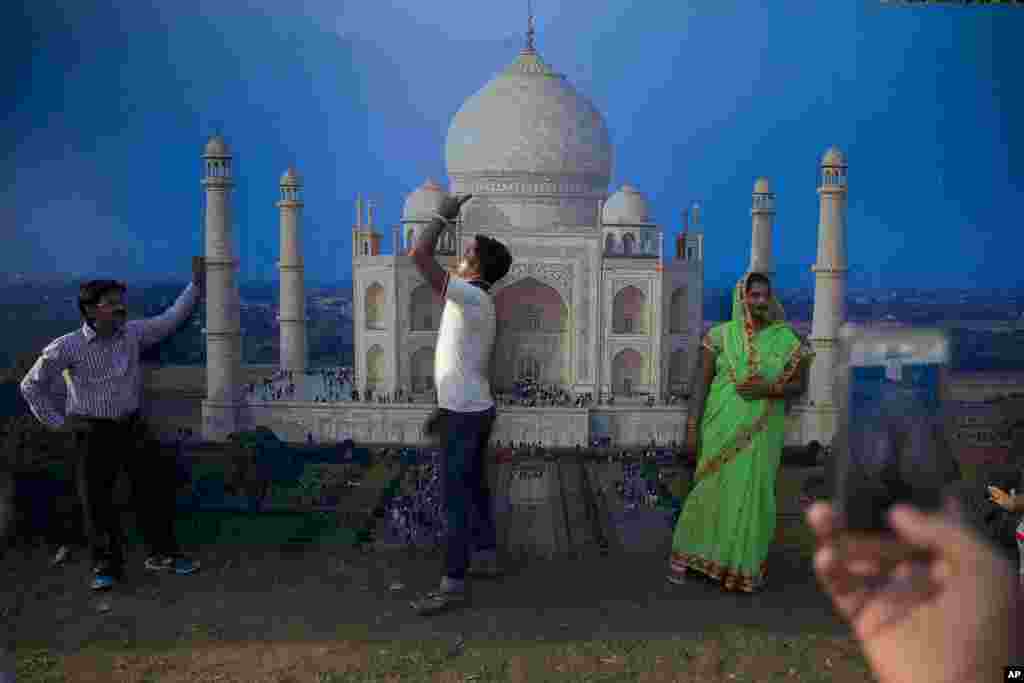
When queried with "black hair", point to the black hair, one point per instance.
{"points": [[90, 293], [758, 277], [495, 259]]}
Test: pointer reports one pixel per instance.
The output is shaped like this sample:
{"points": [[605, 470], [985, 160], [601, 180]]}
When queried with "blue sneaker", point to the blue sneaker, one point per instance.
{"points": [[179, 564], [104, 577], [184, 565]]}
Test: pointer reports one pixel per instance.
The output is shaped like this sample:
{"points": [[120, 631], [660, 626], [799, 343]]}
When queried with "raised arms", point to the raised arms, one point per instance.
{"points": [[423, 256], [423, 252]]}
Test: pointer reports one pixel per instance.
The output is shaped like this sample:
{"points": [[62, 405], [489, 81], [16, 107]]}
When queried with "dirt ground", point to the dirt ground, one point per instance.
{"points": [[305, 600]]}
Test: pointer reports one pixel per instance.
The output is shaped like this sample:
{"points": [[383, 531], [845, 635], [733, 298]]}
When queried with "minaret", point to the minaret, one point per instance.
{"points": [[530, 30], [365, 239], [683, 236], [223, 325], [762, 213], [829, 298], [292, 306]]}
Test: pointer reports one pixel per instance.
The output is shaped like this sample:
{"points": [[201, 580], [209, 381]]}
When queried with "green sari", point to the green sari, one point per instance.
{"points": [[728, 521]]}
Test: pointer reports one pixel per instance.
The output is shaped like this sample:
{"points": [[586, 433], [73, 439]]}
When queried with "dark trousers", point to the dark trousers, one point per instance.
{"points": [[465, 489], [103, 453]]}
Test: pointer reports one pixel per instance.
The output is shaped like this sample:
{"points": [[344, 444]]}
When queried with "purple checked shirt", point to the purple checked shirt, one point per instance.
{"points": [[105, 378]]}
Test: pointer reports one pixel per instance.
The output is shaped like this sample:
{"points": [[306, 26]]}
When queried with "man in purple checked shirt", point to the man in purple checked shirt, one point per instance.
{"points": [[104, 390]]}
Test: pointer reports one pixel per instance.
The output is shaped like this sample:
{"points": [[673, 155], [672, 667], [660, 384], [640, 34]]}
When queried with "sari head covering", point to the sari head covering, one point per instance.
{"points": [[737, 340]]}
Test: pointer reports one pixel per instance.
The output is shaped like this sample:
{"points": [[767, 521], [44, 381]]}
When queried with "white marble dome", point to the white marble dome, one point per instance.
{"points": [[626, 207], [833, 157], [529, 119], [424, 201], [216, 147]]}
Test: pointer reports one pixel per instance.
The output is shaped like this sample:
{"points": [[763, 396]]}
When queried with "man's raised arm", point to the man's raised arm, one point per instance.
{"points": [[423, 252], [154, 330]]}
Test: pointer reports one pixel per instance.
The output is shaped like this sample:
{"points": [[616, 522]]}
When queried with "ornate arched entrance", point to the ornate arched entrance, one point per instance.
{"points": [[627, 372], [677, 370], [533, 334], [425, 307], [422, 370], [375, 367], [629, 311], [374, 307]]}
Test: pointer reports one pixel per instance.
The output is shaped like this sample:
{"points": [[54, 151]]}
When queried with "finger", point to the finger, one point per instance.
{"points": [[821, 518], [940, 533], [847, 592], [896, 597]]}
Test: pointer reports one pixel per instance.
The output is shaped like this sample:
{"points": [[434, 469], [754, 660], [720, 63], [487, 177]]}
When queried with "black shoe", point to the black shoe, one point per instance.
{"points": [[439, 601]]}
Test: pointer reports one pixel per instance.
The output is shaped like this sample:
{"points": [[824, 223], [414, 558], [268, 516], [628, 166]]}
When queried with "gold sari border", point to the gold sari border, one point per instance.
{"points": [[799, 354], [731, 578], [739, 443]]}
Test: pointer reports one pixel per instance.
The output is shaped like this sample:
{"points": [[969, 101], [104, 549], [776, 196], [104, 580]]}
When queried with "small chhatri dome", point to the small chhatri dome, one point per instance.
{"points": [[216, 147], [424, 202], [833, 157], [761, 186], [290, 177], [626, 207]]}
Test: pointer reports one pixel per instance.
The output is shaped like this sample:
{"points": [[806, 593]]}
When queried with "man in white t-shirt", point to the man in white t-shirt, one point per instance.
{"points": [[465, 415]]}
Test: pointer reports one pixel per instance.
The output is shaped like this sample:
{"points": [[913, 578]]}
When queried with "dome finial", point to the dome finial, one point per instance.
{"points": [[529, 26]]}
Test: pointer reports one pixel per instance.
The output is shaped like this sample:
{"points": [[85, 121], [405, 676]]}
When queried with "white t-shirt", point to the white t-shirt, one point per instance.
{"points": [[465, 342]]}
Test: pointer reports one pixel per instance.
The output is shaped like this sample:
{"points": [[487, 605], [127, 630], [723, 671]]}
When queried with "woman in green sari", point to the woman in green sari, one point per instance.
{"points": [[749, 367]]}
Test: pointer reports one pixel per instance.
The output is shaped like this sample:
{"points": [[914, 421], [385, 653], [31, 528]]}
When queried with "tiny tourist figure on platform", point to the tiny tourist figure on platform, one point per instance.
{"points": [[102, 360], [465, 405]]}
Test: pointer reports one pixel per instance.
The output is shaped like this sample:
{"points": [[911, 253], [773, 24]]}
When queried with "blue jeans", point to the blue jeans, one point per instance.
{"points": [[465, 490]]}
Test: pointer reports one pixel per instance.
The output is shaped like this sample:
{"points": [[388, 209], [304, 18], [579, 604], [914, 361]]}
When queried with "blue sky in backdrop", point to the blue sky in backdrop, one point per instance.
{"points": [[112, 102]]}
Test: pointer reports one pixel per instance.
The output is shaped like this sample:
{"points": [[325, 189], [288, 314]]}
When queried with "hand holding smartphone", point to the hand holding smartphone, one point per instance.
{"points": [[890, 446]]}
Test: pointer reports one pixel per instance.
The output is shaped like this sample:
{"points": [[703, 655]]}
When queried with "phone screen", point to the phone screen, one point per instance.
{"points": [[891, 438]]}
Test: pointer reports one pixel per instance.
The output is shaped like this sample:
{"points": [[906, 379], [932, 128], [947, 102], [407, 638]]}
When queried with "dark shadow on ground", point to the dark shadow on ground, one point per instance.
{"points": [[245, 593]]}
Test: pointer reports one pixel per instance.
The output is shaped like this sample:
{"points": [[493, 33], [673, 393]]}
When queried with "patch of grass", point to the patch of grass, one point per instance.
{"points": [[37, 665], [730, 655]]}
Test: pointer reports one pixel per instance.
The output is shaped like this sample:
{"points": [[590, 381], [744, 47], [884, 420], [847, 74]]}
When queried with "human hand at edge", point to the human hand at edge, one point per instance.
{"points": [[1005, 500], [930, 602]]}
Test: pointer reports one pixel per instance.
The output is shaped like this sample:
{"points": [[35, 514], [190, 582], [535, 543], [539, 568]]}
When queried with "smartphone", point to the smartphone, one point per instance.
{"points": [[890, 443]]}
